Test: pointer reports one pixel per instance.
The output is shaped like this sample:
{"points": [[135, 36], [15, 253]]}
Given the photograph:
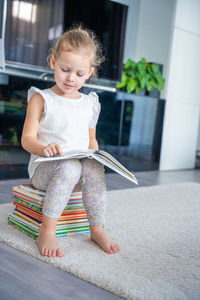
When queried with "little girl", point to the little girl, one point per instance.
{"points": [[59, 119]]}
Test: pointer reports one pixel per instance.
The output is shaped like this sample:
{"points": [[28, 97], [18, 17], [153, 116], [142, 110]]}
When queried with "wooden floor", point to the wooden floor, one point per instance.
{"points": [[25, 277]]}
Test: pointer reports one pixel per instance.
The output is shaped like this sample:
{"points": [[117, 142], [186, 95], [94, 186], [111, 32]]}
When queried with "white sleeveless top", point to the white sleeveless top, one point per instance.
{"points": [[65, 121]]}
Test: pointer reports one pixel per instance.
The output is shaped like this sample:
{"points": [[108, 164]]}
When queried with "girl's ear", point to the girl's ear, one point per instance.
{"points": [[52, 62], [90, 72]]}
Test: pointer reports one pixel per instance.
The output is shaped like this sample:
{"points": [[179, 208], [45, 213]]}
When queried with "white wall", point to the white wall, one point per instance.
{"points": [[154, 29], [153, 33], [181, 122], [198, 141]]}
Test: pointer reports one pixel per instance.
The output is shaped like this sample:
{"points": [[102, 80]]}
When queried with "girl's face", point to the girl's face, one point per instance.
{"points": [[71, 70]]}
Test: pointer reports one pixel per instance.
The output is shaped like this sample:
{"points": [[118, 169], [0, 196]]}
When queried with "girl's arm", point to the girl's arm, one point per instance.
{"points": [[33, 115], [93, 142], [29, 135]]}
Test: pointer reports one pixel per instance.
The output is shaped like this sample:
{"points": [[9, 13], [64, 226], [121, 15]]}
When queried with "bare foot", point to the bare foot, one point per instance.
{"points": [[48, 245], [104, 241]]}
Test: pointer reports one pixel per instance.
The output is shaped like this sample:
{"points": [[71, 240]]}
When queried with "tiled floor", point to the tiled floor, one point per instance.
{"points": [[24, 277]]}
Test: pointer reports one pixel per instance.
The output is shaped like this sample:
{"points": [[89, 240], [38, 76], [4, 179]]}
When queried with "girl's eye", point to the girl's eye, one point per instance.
{"points": [[80, 75], [64, 70]]}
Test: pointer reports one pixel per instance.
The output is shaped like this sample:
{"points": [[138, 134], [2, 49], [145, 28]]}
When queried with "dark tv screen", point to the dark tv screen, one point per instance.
{"points": [[33, 26], [108, 20]]}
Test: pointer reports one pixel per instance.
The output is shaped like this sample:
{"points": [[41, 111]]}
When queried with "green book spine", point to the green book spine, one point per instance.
{"points": [[34, 233], [38, 208], [30, 205], [23, 228]]}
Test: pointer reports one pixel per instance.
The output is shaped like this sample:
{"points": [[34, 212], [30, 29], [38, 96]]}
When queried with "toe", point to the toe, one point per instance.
{"points": [[50, 252], [53, 253], [115, 248], [118, 249], [46, 250], [42, 252], [108, 250], [59, 252]]}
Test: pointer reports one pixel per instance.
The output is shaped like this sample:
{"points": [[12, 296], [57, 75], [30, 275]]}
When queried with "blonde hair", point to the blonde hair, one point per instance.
{"points": [[77, 38]]}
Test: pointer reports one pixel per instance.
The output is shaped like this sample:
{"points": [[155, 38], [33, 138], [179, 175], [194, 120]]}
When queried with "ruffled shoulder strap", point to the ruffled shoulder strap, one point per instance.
{"points": [[32, 91], [96, 108]]}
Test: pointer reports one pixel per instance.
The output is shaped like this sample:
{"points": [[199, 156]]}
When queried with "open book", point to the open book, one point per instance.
{"points": [[100, 155]]}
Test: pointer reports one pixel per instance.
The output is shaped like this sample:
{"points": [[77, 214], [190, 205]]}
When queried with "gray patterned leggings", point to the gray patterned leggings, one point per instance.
{"points": [[58, 179]]}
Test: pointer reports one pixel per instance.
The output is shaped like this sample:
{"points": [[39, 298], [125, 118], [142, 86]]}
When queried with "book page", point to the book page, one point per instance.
{"points": [[112, 166], [111, 159], [67, 155]]}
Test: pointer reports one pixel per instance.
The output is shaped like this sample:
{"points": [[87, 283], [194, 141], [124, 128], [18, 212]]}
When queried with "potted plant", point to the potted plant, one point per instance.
{"points": [[140, 76]]}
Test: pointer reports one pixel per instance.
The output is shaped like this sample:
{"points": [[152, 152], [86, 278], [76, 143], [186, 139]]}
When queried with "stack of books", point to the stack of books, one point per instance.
{"points": [[27, 215]]}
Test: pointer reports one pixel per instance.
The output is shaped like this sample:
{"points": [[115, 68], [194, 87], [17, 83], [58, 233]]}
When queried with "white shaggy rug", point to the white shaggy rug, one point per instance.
{"points": [[158, 229]]}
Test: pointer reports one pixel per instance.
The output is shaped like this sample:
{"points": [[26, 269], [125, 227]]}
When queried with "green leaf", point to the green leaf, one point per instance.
{"points": [[132, 73], [141, 68], [124, 76], [149, 86], [129, 63], [121, 84], [142, 83], [154, 68], [137, 75], [161, 85], [148, 77], [154, 82], [128, 89], [132, 83], [158, 76], [143, 60], [137, 90]]}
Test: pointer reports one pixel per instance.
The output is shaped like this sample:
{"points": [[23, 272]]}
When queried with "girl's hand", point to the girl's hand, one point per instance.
{"points": [[52, 149]]}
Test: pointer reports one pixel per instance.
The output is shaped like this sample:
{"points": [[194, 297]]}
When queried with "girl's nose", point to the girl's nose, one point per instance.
{"points": [[70, 77]]}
